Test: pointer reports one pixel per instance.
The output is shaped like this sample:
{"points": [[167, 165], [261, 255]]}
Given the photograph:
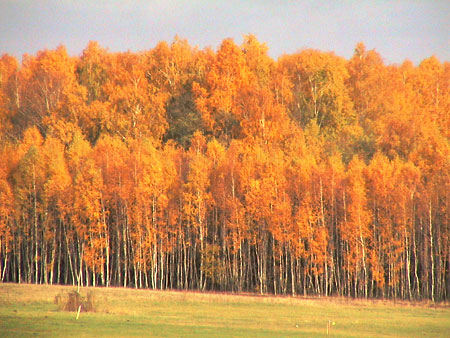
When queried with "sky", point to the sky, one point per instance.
{"points": [[398, 30]]}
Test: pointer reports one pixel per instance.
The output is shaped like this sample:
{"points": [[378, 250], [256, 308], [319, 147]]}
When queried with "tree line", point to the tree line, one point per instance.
{"points": [[226, 170]]}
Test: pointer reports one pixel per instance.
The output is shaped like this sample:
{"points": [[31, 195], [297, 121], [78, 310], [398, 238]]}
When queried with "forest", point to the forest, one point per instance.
{"points": [[226, 170]]}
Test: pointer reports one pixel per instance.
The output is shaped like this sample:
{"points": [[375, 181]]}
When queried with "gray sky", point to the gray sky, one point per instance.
{"points": [[398, 30]]}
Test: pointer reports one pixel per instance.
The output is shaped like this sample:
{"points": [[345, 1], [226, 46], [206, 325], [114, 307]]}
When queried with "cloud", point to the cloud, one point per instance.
{"points": [[398, 30]]}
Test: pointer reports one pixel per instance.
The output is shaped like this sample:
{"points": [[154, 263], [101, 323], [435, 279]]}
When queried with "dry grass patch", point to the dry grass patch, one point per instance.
{"points": [[73, 300]]}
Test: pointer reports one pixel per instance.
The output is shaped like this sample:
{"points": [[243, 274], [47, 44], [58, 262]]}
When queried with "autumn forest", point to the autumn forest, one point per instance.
{"points": [[226, 170]]}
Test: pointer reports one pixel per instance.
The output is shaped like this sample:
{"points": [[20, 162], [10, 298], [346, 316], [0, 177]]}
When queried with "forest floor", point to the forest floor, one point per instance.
{"points": [[34, 310]]}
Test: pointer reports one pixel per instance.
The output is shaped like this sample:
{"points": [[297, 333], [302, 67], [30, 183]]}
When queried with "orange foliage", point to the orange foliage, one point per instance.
{"points": [[185, 168]]}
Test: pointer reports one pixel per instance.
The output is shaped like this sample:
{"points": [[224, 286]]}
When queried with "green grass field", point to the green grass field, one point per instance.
{"points": [[30, 311]]}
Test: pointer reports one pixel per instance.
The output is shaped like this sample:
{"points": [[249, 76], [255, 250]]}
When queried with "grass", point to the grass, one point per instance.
{"points": [[30, 311]]}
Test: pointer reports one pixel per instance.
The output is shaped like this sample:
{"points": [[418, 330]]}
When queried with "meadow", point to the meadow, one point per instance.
{"points": [[31, 311]]}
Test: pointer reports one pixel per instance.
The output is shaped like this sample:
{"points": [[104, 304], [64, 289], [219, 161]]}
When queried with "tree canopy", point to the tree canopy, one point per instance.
{"points": [[226, 170]]}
